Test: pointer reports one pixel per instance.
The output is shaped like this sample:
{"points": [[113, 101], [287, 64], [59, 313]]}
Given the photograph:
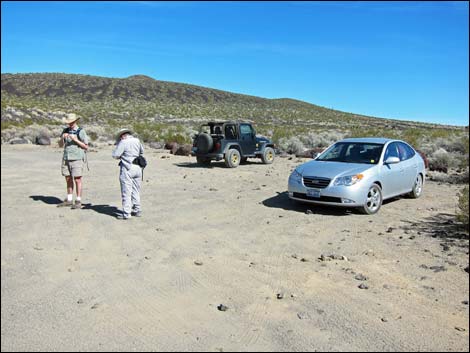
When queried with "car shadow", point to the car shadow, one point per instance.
{"points": [[213, 164], [282, 200], [50, 200], [195, 165]]}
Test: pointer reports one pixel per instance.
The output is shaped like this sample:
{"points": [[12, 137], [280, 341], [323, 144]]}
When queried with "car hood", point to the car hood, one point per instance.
{"points": [[262, 139], [332, 169]]}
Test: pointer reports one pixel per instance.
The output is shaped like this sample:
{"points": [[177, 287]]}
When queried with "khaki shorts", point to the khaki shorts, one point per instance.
{"points": [[73, 168]]}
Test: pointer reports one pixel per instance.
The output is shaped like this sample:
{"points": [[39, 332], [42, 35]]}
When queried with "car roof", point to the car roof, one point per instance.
{"points": [[379, 140]]}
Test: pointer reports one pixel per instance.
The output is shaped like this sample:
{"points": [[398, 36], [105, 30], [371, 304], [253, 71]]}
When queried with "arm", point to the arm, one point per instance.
{"points": [[118, 150], [78, 142], [62, 137]]}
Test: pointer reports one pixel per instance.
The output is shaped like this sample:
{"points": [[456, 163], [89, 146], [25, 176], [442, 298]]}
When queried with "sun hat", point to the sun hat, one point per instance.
{"points": [[122, 131], [70, 118]]}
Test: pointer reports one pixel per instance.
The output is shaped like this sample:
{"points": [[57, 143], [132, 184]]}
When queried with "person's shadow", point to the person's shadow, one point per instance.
{"points": [[103, 209], [108, 210], [50, 200]]}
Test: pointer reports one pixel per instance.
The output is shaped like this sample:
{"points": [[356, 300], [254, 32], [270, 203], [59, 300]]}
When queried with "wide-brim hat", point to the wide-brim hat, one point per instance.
{"points": [[70, 118], [122, 131]]}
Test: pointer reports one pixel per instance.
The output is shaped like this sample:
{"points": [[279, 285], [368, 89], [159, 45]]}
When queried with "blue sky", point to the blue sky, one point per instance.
{"points": [[402, 60]]}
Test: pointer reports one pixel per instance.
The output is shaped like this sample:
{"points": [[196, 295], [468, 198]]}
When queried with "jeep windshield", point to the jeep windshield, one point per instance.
{"points": [[353, 152]]}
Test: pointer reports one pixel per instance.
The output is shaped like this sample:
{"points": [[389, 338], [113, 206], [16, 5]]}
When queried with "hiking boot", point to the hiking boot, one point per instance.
{"points": [[136, 214], [65, 203], [77, 205], [122, 217]]}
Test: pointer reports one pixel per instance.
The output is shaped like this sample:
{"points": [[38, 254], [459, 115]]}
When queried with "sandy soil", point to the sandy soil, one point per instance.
{"points": [[77, 280]]}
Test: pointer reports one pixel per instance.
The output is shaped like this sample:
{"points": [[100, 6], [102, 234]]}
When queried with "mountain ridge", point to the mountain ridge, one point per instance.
{"points": [[143, 96]]}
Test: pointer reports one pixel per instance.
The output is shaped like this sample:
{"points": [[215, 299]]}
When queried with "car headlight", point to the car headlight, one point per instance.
{"points": [[296, 176], [348, 180]]}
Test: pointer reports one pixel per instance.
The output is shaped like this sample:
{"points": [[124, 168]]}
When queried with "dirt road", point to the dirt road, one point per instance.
{"points": [[78, 280]]}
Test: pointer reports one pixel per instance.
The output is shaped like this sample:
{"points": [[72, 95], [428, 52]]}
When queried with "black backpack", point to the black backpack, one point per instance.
{"points": [[140, 161]]}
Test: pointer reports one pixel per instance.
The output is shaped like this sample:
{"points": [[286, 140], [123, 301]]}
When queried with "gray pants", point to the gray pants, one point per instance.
{"points": [[131, 181]]}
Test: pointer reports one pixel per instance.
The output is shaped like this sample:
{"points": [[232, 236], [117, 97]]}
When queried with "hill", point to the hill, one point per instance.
{"points": [[144, 98]]}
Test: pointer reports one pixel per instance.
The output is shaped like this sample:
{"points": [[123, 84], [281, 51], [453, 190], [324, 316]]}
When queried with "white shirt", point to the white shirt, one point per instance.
{"points": [[127, 150]]}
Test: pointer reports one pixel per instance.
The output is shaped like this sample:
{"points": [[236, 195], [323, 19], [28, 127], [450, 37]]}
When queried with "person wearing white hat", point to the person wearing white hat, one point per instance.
{"points": [[75, 142], [127, 149]]}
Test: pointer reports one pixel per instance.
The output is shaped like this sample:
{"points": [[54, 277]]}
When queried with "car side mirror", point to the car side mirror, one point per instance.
{"points": [[392, 160]]}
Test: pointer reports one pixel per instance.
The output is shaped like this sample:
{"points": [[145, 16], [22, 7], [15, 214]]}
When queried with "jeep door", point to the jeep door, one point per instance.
{"points": [[247, 139]]}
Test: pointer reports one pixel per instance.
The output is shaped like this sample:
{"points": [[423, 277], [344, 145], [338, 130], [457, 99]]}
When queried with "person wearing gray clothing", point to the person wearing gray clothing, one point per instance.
{"points": [[127, 149]]}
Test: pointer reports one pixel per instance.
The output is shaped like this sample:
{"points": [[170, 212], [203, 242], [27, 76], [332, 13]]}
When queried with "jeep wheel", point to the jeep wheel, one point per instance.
{"points": [[203, 161], [204, 143], [232, 158], [268, 155]]}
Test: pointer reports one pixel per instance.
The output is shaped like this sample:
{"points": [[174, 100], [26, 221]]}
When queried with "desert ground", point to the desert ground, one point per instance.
{"points": [[288, 275]]}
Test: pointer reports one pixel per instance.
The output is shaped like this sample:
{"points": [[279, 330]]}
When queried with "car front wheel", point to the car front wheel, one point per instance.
{"points": [[268, 155], [373, 201]]}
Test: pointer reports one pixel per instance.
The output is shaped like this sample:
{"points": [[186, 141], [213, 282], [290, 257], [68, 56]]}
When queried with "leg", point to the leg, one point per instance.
{"points": [[69, 181], [136, 184], [126, 192], [78, 184]]}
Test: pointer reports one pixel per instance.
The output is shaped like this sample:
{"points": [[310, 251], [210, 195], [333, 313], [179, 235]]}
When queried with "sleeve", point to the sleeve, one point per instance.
{"points": [[141, 149], [118, 150], [84, 137]]}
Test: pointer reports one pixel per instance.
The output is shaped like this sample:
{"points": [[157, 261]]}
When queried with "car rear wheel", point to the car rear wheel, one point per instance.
{"points": [[268, 155], [232, 158], [417, 187], [373, 200]]}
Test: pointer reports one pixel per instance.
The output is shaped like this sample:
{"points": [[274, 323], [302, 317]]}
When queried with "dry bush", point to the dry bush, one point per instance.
{"points": [[291, 145], [441, 160], [322, 139]]}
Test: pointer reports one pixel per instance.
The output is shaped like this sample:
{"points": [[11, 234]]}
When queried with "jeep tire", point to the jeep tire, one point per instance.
{"points": [[268, 155], [232, 158], [204, 143]]}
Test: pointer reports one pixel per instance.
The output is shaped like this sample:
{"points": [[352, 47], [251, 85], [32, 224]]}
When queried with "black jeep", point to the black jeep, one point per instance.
{"points": [[232, 141]]}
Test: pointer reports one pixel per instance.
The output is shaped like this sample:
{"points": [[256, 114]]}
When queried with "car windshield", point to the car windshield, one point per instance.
{"points": [[353, 152]]}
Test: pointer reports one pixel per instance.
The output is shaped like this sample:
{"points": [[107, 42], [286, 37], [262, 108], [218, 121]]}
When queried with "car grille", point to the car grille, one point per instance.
{"points": [[316, 182], [298, 195]]}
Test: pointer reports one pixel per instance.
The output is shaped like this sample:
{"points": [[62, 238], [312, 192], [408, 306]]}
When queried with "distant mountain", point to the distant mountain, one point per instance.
{"points": [[142, 97]]}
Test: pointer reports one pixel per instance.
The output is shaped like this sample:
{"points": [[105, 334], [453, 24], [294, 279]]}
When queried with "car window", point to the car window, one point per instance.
{"points": [[406, 152], [392, 151], [245, 129], [230, 132], [353, 152]]}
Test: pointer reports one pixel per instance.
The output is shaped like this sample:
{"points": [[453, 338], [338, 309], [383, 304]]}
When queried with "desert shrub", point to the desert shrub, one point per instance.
{"points": [[441, 160], [321, 139], [462, 213], [291, 145]]}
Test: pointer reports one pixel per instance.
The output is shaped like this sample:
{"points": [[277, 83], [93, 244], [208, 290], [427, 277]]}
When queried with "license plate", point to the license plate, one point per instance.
{"points": [[313, 193]]}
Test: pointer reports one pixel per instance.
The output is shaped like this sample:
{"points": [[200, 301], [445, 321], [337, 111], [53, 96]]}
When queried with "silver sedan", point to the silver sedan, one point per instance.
{"points": [[359, 172]]}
